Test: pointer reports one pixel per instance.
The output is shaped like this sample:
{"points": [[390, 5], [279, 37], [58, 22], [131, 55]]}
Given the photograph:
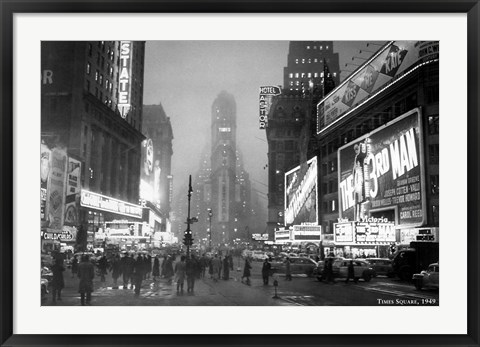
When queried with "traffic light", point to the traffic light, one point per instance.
{"points": [[188, 239], [393, 248]]}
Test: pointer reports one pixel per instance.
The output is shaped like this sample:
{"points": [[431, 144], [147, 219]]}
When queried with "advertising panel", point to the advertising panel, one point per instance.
{"points": [[105, 203], [378, 231], [45, 158], [125, 79], [383, 171], [56, 189], [73, 191], [395, 60], [265, 101], [301, 194], [282, 235], [307, 232]]}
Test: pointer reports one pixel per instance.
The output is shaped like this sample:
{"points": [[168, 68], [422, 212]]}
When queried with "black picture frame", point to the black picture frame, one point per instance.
{"points": [[10, 7]]}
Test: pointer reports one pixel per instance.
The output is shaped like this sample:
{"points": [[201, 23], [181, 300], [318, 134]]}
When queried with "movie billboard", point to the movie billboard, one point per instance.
{"points": [[383, 171], [392, 62], [301, 191], [72, 197], [56, 189]]}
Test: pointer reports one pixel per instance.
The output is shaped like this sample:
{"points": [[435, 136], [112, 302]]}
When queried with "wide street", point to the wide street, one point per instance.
{"points": [[301, 291]]}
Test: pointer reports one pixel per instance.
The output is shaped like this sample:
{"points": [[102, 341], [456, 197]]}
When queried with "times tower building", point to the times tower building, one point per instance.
{"points": [[223, 164]]}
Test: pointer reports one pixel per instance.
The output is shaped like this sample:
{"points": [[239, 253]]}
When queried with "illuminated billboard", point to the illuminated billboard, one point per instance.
{"points": [[125, 78], [265, 101], [301, 191], [389, 65], [383, 172], [371, 231]]}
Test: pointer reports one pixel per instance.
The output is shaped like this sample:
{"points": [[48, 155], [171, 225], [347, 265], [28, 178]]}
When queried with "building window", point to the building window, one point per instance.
{"points": [[100, 80], [432, 94], [88, 68], [308, 47], [315, 74], [321, 47], [290, 75], [296, 61], [297, 75], [334, 205], [96, 75], [107, 84], [315, 60], [433, 128], [435, 214], [309, 61], [309, 75], [434, 184], [433, 151]]}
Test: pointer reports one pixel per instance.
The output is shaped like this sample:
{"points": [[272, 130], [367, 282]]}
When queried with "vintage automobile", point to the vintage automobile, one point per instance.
{"points": [[362, 269], [381, 266], [428, 278], [319, 271], [259, 255], [298, 265]]}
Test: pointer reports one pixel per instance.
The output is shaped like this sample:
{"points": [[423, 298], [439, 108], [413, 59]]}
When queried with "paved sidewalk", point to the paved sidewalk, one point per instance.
{"points": [[207, 293]]}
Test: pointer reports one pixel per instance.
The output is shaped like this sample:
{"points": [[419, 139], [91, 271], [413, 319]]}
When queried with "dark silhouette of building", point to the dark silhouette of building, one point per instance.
{"points": [[312, 71], [309, 62], [415, 86], [91, 104], [157, 165]]}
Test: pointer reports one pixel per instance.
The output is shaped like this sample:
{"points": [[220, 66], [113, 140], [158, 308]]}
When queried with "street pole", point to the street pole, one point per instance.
{"points": [[188, 233]]}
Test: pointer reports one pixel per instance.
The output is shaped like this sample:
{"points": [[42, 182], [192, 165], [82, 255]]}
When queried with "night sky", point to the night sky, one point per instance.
{"points": [[186, 77]]}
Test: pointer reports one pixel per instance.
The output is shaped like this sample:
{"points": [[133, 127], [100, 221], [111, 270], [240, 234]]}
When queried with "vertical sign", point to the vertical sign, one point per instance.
{"points": [[266, 95], [56, 189], [125, 79], [73, 192], [45, 158]]}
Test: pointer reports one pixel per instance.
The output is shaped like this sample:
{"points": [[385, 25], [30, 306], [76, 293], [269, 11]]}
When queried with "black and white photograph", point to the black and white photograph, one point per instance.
{"points": [[239, 173]]}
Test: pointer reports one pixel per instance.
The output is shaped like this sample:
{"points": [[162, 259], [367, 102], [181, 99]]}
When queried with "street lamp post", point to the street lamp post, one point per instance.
{"points": [[210, 215], [188, 240]]}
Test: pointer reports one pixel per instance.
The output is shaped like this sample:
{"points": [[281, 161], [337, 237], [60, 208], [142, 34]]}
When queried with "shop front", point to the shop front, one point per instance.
{"points": [[97, 211]]}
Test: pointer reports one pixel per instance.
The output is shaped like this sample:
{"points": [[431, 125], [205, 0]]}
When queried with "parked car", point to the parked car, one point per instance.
{"points": [[319, 271], [340, 269], [362, 269], [246, 253], [46, 259], [43, 289], [259, 255], [298, 265], [381, 266], [427, 278]]}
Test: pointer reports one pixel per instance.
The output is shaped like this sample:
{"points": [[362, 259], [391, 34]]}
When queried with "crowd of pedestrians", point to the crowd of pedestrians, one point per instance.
{"points": [[130, 270]]}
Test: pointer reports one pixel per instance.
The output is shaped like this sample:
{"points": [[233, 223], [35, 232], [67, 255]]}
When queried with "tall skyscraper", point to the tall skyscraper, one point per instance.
{"points": [[307, 66], [312, 71], [223, 164]]}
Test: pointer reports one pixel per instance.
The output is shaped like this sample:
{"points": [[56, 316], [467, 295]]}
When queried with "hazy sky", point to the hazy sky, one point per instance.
{"points": [[186, 77]]}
